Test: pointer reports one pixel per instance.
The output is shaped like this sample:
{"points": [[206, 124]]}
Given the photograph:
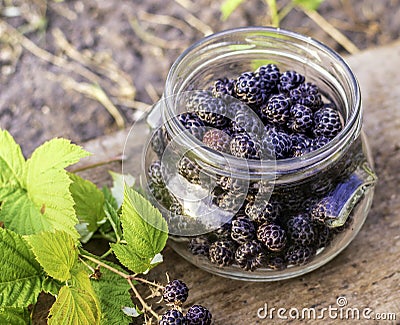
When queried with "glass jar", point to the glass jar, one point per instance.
{"points": [[303, 210]]}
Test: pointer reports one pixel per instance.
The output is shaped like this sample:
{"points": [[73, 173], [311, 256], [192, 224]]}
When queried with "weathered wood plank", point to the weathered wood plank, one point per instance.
{"points": [[367, 273]]}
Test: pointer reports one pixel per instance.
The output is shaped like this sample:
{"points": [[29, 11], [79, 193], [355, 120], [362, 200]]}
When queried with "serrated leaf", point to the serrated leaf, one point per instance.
{"points": [[129, 257], [20, 214], [228, 7], [113, 293], [15, 316], [21, 275], [76, 305], [48, 183], [108, 197], [308, 4], [89, 201], [54, 154], [145, 232], [51, 286], [119, 181], [12, 162], [42, 200], [56, 252], [113, 218], [112, 227]]}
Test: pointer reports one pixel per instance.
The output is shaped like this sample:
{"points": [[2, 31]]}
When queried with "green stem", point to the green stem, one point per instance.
{"points": [[141, 300], [87, 265], [102, 257], [128, 278], [273, 12], [158, 286], [106, 266], [102, 235]]}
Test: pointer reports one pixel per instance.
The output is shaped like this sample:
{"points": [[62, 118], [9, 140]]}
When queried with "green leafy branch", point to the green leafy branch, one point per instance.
{"points": [[47, 214]]}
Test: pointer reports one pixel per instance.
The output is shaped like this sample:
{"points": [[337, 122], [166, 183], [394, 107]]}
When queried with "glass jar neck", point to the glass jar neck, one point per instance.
{"points": [[195, 70]]}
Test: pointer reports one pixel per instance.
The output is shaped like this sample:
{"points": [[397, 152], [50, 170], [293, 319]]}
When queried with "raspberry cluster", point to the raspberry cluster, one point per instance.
{"points": [[264, 114], [261, 111], [175, 293], [255, 239]]}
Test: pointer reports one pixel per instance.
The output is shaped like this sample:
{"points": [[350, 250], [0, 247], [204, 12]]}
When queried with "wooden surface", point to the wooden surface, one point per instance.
{"points": [[367, 273]]}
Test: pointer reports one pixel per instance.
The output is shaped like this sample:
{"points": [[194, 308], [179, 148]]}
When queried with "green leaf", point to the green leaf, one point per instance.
{"points": [[12, 163], [56, 252], [77, 304], [308, 4], [52, 286], [15, 316], [42, 200], [113, 218], [145, 232], [113, 293], [89, 201], [21, 275], [119, 181], [108, 197], [228, 7]]}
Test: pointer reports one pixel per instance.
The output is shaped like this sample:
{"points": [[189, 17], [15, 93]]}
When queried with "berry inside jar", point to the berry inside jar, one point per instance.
{"points": [[251, 224]]}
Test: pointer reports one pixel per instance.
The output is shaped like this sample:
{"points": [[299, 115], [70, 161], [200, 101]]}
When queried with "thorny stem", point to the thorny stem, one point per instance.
{"points": [[141, 300], [106, 266], [129, 279], [87, 265], [158, 286]]}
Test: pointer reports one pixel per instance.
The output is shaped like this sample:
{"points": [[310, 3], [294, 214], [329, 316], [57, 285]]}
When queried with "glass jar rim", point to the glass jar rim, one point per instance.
{"points": [[349, 132]]}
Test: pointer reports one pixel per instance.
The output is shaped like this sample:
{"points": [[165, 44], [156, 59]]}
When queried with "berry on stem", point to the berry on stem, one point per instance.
{"points": [[175, 292], [173, 317], [198, 315]]}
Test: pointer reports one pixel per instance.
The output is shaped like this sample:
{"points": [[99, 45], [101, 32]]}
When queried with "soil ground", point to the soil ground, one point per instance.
{"points": [[53, 53], [64, 65]]}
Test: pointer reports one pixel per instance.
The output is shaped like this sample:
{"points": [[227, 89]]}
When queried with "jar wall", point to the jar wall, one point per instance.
{"points": [[190, 194]]}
